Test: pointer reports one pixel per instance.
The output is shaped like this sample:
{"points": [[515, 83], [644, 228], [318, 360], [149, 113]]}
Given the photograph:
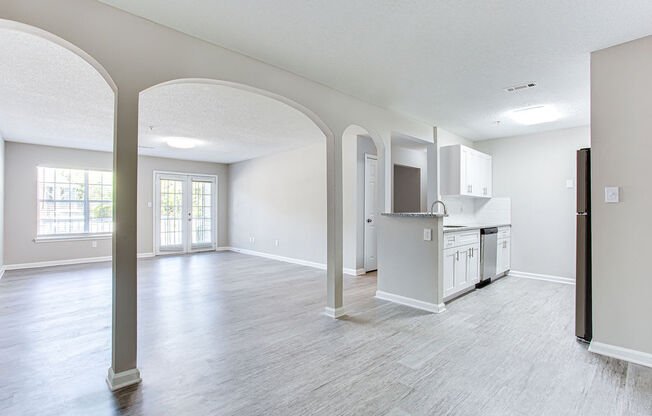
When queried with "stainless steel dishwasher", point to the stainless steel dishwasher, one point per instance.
{"points": [[488, 253]]}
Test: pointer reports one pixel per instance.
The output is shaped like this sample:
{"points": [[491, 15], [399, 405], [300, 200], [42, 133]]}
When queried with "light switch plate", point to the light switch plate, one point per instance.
{"points": [[427, 234], [611, 195], [570, 183], [149, 205]]}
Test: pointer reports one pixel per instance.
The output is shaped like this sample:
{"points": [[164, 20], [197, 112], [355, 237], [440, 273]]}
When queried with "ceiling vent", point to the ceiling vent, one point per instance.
{"points": [[520, 87]]}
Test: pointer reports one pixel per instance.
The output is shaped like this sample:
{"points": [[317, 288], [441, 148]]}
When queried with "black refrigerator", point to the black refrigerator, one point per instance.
{"points": [[583, 323]]}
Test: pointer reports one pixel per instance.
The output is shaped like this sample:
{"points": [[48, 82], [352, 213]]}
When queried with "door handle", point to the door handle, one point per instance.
{"points": [[368, 219]]}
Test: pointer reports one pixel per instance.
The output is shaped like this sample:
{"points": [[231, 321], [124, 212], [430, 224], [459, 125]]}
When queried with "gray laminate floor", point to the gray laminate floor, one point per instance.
{"points": [[229, 334]]}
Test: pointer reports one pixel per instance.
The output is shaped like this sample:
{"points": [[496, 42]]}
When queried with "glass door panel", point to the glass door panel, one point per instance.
{"points": [[171, 214], [202, 213]]}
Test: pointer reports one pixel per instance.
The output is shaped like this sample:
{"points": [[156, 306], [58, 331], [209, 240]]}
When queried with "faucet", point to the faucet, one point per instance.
{"points": [[432, 207]]}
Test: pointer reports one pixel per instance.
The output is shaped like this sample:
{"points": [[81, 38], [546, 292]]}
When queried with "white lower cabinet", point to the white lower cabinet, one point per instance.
{"points": [[461, 265], [503, 256]]}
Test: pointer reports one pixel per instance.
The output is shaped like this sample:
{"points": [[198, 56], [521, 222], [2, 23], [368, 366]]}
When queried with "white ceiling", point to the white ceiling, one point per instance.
{"points": [[51, 96], [230, 124], [445, 62]]}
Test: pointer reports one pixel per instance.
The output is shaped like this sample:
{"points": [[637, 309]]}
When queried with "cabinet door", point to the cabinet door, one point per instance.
{"points": [[462, 268], [469, 172], [449, 271], [507, 254], [485, 177], [473, 272], [500, 256]]}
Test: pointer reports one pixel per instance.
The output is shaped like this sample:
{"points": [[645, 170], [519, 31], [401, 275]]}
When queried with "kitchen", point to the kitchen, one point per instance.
{"points": [[524, 186]]}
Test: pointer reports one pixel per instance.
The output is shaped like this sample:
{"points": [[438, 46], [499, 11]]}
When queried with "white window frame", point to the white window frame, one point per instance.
{"points": [[70, 236]]}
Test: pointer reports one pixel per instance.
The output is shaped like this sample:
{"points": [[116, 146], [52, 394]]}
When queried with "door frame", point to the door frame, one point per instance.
{"points": [[364, 211], [156, 222]]}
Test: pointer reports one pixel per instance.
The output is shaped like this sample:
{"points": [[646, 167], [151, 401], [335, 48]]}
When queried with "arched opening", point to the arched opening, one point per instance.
{"points": [[363, 187], [266, 156], [57, 134]]}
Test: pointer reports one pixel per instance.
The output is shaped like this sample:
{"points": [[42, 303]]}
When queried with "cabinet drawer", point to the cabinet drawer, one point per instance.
{"points": [[461, 238], [465, 238], [504, 232], [449, 240]]}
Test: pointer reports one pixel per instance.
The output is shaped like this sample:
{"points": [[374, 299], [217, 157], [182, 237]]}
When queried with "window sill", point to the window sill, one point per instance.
{"points": [[85, 237]]}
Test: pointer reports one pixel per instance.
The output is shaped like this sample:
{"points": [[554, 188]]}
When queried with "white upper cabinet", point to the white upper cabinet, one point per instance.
{"points": [[465, 171]]}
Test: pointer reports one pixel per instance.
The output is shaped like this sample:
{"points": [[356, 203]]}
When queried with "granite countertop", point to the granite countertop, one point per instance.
{"points": [[413, 214], [449, 229]]}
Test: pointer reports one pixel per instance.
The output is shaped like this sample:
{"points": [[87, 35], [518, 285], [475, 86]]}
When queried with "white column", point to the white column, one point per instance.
{"points": [[334, 279]]}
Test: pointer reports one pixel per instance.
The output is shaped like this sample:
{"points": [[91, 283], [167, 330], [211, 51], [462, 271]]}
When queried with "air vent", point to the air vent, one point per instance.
{"points": [[520, 87]]}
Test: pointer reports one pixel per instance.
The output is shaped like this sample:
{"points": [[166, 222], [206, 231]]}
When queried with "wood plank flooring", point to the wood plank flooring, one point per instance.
{"points": [[230, 334]]}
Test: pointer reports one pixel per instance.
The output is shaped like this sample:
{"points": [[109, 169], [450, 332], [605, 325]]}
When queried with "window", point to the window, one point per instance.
{"points": [[74, 201]]}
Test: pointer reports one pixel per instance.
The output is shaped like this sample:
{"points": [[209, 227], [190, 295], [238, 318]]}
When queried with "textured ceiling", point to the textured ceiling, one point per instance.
{"points": [[445, 62], [229, 124], [51, 96]]}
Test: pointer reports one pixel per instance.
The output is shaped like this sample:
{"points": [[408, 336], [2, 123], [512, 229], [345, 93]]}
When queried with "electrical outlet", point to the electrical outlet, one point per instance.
{"points": [[149, 205], [427, 234], [570, 183], [94, 244], [252, 240], [276, 243]]}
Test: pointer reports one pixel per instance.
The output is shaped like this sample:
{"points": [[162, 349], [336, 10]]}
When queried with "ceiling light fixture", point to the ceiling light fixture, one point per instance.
{"points": [[181, 142], [535, 115]]}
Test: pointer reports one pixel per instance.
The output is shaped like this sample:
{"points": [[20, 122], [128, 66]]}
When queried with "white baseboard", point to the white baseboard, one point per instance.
{"points": [[546, 277], [418, 304], [122, 379], [66, 262], [316, 265], [20, 266], [2, 271], [225, 248], [353, 272], [335, 312], [633, 356]]}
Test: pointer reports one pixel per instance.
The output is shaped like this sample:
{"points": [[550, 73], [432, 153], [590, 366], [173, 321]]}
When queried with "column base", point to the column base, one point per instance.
{"points": [[122, 379], [335, 312]]}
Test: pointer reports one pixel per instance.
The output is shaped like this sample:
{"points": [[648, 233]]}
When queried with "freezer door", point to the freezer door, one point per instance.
{"points": [[583, 324]]}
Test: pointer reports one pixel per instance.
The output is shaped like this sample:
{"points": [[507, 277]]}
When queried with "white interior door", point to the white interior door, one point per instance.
{"points": [[370, 190], [185, 213]]}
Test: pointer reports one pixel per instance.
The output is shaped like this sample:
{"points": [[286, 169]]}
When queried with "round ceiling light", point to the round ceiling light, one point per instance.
{"points": [[181, 142]]}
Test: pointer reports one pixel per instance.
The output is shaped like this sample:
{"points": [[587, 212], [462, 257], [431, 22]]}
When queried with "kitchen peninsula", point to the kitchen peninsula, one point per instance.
{"points": [[410, 260]]}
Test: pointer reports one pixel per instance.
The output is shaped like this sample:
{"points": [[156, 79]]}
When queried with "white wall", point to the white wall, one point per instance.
{"points": [[280, 197], [532, 170], [621, 155], [21, 161], [416, 158]]}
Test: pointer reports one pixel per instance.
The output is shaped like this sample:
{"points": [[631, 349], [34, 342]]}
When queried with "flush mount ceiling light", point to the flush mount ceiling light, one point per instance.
{"points": [[181, 142], [535, 115]]}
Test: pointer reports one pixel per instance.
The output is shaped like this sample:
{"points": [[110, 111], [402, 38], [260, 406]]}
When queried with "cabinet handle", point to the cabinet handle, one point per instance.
{"points": [[470, 252], [457, 255]]}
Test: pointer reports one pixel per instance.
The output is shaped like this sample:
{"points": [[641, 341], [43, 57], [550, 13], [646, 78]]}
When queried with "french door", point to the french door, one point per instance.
{"points": [[186, 213]]}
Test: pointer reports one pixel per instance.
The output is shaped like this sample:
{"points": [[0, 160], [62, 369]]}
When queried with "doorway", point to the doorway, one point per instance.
{"points": [[186, 213]]}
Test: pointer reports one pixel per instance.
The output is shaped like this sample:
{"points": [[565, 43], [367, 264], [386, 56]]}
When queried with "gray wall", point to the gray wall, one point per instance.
{"points": [[532, 170], [280, 197], [20, 211], [407, 189], [621, 130], [146, 167], [416, 158]]}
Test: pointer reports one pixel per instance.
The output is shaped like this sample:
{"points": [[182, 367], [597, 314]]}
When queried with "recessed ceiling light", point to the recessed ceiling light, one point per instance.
{"points": [[535, 115], [181, 142]]}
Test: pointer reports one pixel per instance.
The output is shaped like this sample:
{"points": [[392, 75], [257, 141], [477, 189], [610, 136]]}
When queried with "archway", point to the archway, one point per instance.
{"points": [[205, 111], [68, 102]]}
